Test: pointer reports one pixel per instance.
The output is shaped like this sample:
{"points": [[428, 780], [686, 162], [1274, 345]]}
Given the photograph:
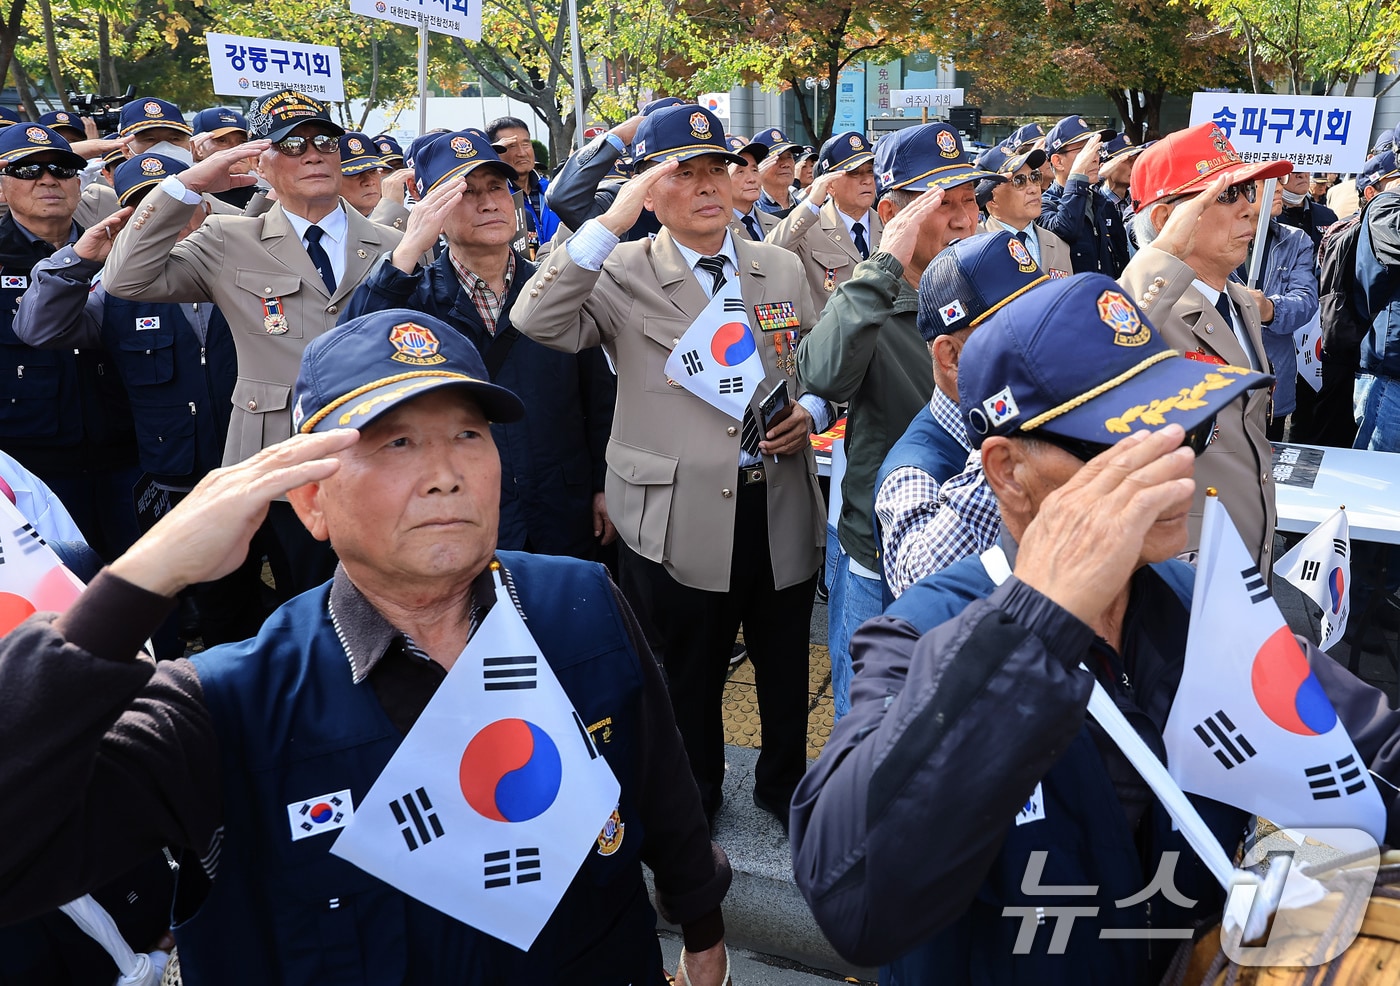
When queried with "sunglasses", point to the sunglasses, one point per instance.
{"points": [[1232, 194], [32, 172], [1197, 439], [1021, 181], [325, 143]]}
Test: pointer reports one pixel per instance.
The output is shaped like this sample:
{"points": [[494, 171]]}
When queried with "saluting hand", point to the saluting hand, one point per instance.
{"points": [[96, 243], [215, 174], [425, 223], [1178, 235], [901, 235], [206, 536], [821, 188], [626, 208]]}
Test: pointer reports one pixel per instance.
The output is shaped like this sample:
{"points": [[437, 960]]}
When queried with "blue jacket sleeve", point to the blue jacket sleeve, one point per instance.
{"points": [[574, 194], [386, 287], [897, 824], [1291, 283], [1063, 214]]}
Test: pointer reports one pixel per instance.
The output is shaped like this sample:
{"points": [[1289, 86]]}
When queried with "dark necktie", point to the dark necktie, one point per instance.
{"points": [[858, 235], [1223, 306], [1025, 238], [319, 257], [749, 436], [751, 224]]}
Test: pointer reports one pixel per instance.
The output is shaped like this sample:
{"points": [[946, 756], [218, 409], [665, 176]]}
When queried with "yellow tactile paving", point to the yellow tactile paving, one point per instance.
{"points": [[741, 719]]}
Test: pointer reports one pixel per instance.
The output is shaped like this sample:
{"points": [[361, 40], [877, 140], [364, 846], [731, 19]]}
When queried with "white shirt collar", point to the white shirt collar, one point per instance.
{"points": [[726, 250], [863, 219], [333, 226]]}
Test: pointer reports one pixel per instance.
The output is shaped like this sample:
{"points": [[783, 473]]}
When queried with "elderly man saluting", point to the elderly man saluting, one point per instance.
{"points": [[215, 754], [971, 695]]}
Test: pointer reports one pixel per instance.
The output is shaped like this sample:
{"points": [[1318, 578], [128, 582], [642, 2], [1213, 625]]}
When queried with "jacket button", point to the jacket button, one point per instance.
{"points": [[726, 493], [332, 309], [268, 290], [731, 431], [252, 405], [554, 270]]}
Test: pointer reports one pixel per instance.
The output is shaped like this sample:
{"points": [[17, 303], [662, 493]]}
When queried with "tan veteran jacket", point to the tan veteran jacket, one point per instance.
{"points": [[673, 459], [1055, 253], [1239, 461], [256, 270], [826, 250]]}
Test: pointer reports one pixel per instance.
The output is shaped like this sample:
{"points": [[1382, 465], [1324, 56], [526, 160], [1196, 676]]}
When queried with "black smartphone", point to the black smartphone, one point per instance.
{"points": [[774, 408]]}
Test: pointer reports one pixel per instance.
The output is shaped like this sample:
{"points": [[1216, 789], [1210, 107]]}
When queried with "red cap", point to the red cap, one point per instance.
{"points": [[1189, 160]]}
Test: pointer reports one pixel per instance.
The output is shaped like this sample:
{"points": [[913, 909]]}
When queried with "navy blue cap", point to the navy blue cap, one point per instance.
{"points": [[358, 153], [141, 172], [663, 103], [1379, 168], [276, 115], [1385, 141], [741, 146], [1119, 147], [1021, 136], [453, 155], [679, 133], [1076, 358], [219, 120], [970, 280], [1069, 130], [1000, 161], [621, 170], [417, 144], [147, 112], [114, 157], [59, 118], [776, 141], [389, 149], [18, 143], [8, 117], [357, 371], [924, 157], [844, 152]]}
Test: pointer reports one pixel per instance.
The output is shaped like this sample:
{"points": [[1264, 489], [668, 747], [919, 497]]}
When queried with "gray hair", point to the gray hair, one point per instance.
{"points": [[1143, 230], [901, 197]]}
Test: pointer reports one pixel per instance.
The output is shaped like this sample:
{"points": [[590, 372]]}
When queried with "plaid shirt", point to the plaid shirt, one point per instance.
{"points": [[489, 305], [924, 528]]}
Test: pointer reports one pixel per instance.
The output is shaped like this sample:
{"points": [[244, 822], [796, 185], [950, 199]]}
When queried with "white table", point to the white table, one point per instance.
{"points": [[1367, 483]]}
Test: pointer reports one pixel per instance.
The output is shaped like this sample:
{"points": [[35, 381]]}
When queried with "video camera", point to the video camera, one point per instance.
{"points": [[106, 111]]}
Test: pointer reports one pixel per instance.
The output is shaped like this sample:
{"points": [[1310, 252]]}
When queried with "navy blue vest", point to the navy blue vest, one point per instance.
{"points": [[292, 725], [1086, 839], [181, 390]]}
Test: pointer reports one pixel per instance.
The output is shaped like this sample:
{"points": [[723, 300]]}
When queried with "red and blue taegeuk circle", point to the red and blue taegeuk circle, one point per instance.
{"points": [[1337, 588], [731, 344], [510, 771], [1287, 690], [321, 812]]}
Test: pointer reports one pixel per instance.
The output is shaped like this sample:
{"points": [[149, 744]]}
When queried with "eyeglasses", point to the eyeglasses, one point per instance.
{"points": [[1021, 181], [32, 172], [296, 146], [1232, 194], [1197, 440]]}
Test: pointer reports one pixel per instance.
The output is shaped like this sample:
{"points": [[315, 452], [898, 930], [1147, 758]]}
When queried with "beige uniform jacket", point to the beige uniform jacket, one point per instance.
{"points": [[1054, 252], [1239, 462], [767, 222], [673, 459], [828, 254], [255, 268]]}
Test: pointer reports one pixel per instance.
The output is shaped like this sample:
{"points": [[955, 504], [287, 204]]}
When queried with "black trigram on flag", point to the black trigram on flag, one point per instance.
{"points": [[1255, 584], [1330, 780], [29, 539], [503, 674], [420, 822], [500, 872], [1221, 738], [691, 362], [731, 385], [735, 306], [1311, 570], [1339, 545]]}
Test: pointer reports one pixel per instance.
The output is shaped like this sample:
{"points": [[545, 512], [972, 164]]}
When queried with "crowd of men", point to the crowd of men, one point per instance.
{"points": [[191, 328]]}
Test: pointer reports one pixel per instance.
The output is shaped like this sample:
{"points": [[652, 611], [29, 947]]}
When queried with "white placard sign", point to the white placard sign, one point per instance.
{"points": [[1316, 133], [257, 66], [920, 98], [459, 18]]}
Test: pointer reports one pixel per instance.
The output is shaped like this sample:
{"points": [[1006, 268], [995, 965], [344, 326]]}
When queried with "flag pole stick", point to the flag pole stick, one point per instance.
{"points": [[423, 77], [1266, 206]]}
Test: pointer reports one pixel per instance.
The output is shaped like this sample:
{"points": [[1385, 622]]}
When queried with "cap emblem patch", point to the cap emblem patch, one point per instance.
{"points": [[463, 147], [150, 166], [37, 135], [355, 145], [947, 143], [855, 142], [1118, 313], [700, 126], [152, 108], [1022, 256], [415, 344]]}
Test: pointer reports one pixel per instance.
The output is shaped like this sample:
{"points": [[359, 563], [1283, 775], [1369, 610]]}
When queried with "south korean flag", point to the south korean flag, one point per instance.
{"points": [[496, 796]]}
